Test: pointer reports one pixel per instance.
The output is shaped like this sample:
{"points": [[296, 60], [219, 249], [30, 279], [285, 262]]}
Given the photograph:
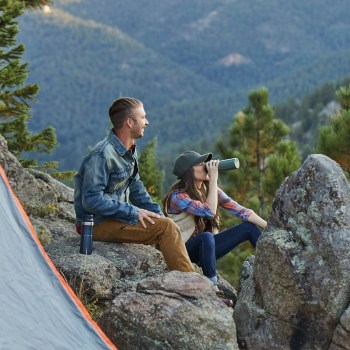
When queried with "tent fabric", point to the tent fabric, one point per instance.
{"points": [[38, 310]]}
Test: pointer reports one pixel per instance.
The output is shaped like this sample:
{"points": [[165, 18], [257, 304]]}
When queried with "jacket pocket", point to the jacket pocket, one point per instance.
{"points": [[117, 181]]}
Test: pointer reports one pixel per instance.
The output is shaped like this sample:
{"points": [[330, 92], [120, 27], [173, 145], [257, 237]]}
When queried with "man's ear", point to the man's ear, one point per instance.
{"points": [[129, 122]]}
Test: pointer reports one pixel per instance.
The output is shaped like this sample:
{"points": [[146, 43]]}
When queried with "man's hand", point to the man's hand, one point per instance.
{"points": [[146, 215]]}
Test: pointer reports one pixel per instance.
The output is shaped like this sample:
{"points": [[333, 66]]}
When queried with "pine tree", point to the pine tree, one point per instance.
{"points": [[334, 139], [36, 3], [257, 139], [150, 175], [14, 94], [282, 163]]}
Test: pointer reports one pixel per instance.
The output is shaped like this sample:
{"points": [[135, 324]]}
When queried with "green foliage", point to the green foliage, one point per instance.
{"points": [[257, 139], [334, 139], [151, 176], [52, 169], [47, 211], [14, 95], [307, 116], [343, 95], [20, 139], [36, 3], [282, 163]]}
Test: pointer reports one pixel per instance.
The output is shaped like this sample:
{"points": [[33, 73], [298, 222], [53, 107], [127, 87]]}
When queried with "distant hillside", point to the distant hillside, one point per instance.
{"points": [[236, 43], [80, 75], [191, 62]]}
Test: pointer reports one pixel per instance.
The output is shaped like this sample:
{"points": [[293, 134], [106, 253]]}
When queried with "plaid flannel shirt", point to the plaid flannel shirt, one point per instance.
{"points": [[180, 201]]}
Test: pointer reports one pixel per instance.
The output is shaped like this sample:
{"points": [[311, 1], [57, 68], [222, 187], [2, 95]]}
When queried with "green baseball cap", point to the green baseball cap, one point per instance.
{"points": [[187, 160]]}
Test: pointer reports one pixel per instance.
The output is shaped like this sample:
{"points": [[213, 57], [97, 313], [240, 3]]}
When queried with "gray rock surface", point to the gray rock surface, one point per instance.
{"points": [[341, 336], [295, 294], [178, 311], [133, 277]]}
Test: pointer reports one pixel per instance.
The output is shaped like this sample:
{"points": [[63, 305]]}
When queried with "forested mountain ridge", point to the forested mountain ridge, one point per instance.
{"points": [[80, 75], [191, 62], [229, 41]]}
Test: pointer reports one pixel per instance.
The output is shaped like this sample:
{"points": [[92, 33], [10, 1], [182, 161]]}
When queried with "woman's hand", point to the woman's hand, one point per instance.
{"points": [[213, 170]]}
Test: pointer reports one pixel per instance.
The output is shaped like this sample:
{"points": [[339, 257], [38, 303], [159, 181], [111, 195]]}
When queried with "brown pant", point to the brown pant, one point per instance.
{"points": [[163, 232]]}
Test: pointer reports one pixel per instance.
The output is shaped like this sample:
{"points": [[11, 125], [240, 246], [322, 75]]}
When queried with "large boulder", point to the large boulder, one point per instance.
{"points": [[173, 311], [294, 295]]}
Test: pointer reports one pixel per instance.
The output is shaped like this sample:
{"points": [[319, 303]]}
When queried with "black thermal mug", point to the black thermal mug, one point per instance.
{"points": [[86, 235]]}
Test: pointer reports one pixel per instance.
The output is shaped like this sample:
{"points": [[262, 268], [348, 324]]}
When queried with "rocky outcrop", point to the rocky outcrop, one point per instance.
{"points": [[296, 293], [178, 311], [127, 288]]}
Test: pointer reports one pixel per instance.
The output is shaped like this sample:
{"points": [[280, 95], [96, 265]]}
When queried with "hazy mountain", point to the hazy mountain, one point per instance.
{"points": [[192, 63]]}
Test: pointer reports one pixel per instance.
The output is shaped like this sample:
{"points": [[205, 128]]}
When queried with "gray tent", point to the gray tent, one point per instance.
{"points": [[38, 310]]}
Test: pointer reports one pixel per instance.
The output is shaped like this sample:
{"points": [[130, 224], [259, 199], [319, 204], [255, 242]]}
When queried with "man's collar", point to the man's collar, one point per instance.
{"points": [[118, 145]]}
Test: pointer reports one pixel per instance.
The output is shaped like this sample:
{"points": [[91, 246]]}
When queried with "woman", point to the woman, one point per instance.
{"points": [[193, 202]]}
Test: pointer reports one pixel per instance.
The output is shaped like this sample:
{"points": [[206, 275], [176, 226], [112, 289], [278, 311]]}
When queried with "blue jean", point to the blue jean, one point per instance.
{"points": [[205, 248]]}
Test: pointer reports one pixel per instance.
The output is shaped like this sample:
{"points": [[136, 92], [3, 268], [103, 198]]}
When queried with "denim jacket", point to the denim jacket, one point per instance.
{"points": [[108, 184]]}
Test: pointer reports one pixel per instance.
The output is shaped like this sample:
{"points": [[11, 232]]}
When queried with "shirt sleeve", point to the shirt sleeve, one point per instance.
{"points": [[141, 198], [233, 207], [180, 201]]}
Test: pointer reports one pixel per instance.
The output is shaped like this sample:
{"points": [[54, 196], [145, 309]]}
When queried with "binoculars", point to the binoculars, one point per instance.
{"points": [[228, 164]]}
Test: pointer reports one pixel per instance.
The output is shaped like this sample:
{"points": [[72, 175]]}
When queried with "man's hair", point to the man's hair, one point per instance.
{"points": [[121, 109]]}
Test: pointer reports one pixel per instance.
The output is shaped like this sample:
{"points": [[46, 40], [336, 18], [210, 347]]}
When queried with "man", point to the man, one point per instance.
{"points": [[108, 186]]}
